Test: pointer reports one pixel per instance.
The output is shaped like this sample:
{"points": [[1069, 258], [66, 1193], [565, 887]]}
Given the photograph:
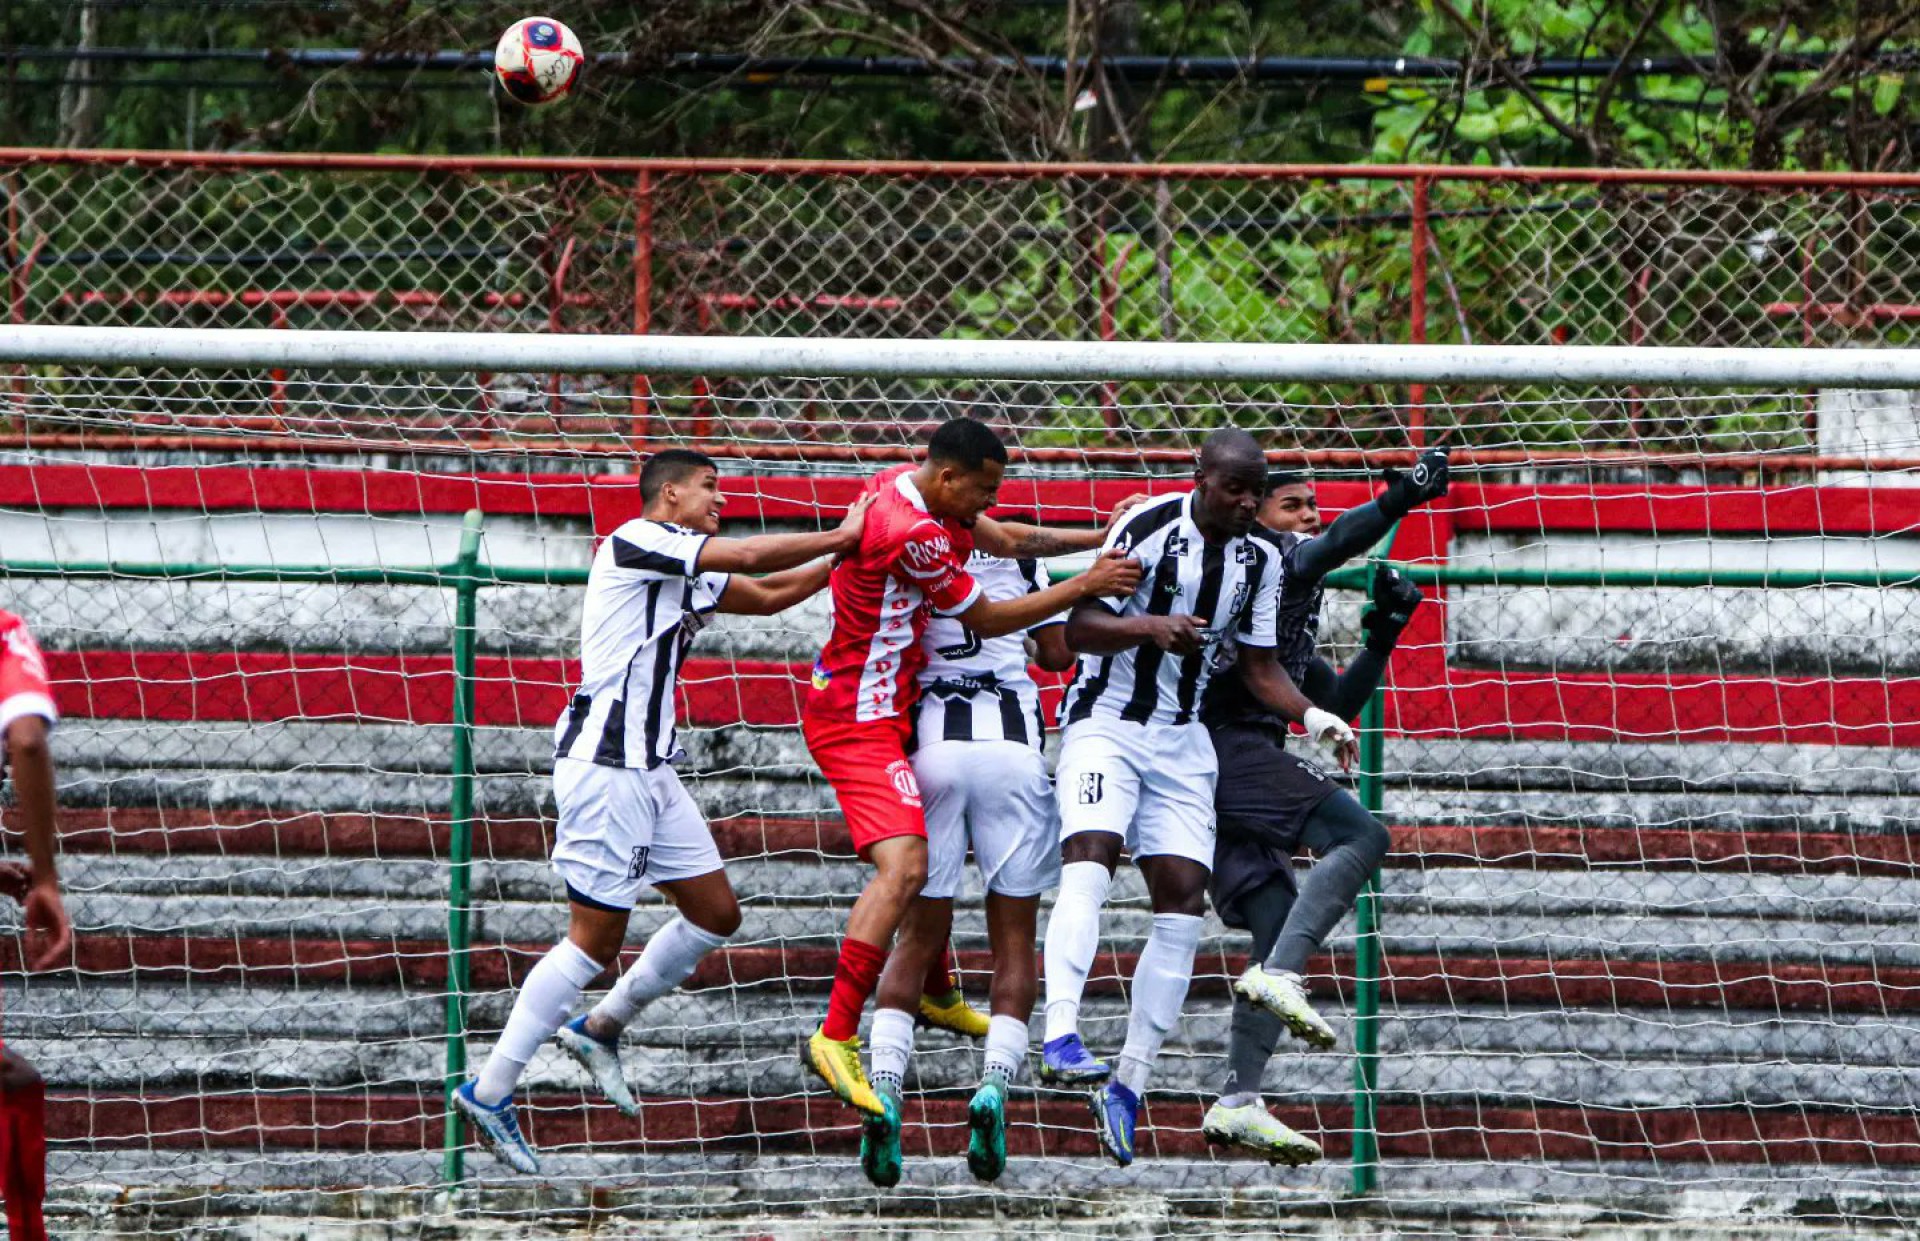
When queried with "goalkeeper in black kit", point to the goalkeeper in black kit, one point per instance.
{"points": [[1269, 802]]}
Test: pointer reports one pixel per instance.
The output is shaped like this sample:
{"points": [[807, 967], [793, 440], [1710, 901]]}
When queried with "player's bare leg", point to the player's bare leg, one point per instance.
{"points": [[833, 1053], [1011, 934], [545, 1001], [1073, 939], [23, 1146], [708, 915]]}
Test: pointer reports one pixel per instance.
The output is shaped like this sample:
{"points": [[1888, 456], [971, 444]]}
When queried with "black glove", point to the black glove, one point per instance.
{"points": [[1394, 601], [1426, 481]]}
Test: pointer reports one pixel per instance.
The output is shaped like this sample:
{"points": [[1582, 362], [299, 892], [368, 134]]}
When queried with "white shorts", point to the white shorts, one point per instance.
{"points": [[1149, 784], [995, 795], [622, 828]]}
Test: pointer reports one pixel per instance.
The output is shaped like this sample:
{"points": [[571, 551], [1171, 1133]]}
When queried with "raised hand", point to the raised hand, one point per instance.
{"points": [[1394, 601], [1426, 481]]}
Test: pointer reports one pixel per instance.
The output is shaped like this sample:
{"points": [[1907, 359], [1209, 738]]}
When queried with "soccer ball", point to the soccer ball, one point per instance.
{"points": [[538, 60]]}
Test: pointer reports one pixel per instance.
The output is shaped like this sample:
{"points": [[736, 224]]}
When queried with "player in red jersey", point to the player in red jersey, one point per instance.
{"points": [[924, 523], [26, 714]]}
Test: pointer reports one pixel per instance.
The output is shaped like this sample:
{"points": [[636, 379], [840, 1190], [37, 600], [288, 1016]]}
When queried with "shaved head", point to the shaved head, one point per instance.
{"points": [[1232, 481], [1230, 448]]}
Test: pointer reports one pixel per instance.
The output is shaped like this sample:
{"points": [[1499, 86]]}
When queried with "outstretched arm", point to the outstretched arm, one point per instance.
{"points": [[1017, 540], [1357, 529], [767, 553], [36, 886], [766, 596], [1114, 575], [1345, 693]]}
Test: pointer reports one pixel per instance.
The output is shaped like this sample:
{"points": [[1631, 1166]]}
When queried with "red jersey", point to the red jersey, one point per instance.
{"points": [[910, 565], [23, 677]]}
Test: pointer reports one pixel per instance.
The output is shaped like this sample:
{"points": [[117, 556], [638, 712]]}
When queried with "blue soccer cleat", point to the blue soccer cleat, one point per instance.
{"points": [[1065, 1061], [1115, 1112], [497, 1128]]}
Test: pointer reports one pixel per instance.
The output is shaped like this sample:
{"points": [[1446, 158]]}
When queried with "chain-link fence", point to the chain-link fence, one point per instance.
{"points": [[955, 252]]}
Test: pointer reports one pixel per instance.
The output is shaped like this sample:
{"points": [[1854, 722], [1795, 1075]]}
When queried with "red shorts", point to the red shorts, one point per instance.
{"points": [[866, 763]]}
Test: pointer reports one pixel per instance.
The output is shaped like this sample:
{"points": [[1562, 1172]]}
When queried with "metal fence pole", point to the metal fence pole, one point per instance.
{"points": [[1366, 967], [466, 584], [1366, 948]]}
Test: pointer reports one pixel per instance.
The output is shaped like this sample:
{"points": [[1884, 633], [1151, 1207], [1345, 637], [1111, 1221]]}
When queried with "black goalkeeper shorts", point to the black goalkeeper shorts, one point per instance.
{"points": [[1262, 800]]}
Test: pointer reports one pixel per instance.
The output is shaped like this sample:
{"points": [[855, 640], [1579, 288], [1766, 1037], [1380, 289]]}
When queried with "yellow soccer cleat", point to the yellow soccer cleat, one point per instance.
{"points": [[953, 1013], [837, 1064]]}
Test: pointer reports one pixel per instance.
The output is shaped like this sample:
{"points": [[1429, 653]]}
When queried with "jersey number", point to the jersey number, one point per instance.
{"points": [[965, 649]]}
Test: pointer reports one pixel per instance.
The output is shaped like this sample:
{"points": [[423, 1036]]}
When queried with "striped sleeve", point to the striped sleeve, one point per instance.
{"points": [[655, 548]]}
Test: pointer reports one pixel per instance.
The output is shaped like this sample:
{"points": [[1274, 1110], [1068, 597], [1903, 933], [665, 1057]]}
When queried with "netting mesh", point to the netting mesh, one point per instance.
{"points": [[937, 252], [1647, 929]]}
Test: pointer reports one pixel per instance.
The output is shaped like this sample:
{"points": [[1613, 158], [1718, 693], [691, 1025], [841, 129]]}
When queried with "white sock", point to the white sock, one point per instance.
{"points": [[1006, 1045], [1073, 937], [890, 1046], [1239, 1100], [545, 1000], [665, 963], [1159, 989]]}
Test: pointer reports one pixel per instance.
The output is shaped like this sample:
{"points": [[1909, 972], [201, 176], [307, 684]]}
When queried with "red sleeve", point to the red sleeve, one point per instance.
{"points": [[929, 559], [23, 677]]}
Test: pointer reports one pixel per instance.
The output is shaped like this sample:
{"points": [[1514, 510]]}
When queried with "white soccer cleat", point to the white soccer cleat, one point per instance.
{"points": [[1254, 1128], [601, 1062], [497, 1128], [1285, 996]]}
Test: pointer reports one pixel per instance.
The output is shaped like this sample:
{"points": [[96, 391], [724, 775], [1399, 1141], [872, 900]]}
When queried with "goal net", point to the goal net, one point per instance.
{"points": [[311, 603]]}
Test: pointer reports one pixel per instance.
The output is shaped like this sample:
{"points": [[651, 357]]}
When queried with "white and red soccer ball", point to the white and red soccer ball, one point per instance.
{"points": [[538, 60]]}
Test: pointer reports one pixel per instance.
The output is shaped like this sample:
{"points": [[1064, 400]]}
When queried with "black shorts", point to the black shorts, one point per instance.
{"points": [[1262, 800]]}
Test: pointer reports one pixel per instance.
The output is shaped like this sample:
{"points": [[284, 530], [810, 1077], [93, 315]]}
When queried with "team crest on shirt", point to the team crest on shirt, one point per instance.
{"points": [[1245, 553], [821, 677], [1177, 545], [900, 774]]}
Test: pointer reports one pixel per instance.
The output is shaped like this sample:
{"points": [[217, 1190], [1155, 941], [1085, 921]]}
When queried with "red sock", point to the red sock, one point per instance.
{"points": [[854, 979], [23, 1162], [941, 980]]}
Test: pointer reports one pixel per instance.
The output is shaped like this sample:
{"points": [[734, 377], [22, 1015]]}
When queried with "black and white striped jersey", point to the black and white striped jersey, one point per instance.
{"points": [[1296, 636], [1296, 614], [646, 599], [1231, 587], [979, 689]]}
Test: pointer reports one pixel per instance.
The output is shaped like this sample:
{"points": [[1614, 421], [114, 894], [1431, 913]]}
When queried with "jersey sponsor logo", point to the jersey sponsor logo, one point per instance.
{"points": [[927, 552], [1240, 592], [1093, 787], [900, 774], [1168, 585], [638, 866]]}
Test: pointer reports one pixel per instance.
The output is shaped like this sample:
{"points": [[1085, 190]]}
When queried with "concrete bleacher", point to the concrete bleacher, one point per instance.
{"points": [[1648, 978]]}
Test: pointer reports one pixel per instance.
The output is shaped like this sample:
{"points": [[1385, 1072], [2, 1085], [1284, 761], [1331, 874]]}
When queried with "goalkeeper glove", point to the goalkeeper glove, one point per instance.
{"points": [[1394, 601], [1426, 481]]}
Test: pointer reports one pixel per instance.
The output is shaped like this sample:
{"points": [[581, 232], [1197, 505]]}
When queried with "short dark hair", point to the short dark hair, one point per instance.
{"points": [[967, 443], [673, 465], [1276, 479]]}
